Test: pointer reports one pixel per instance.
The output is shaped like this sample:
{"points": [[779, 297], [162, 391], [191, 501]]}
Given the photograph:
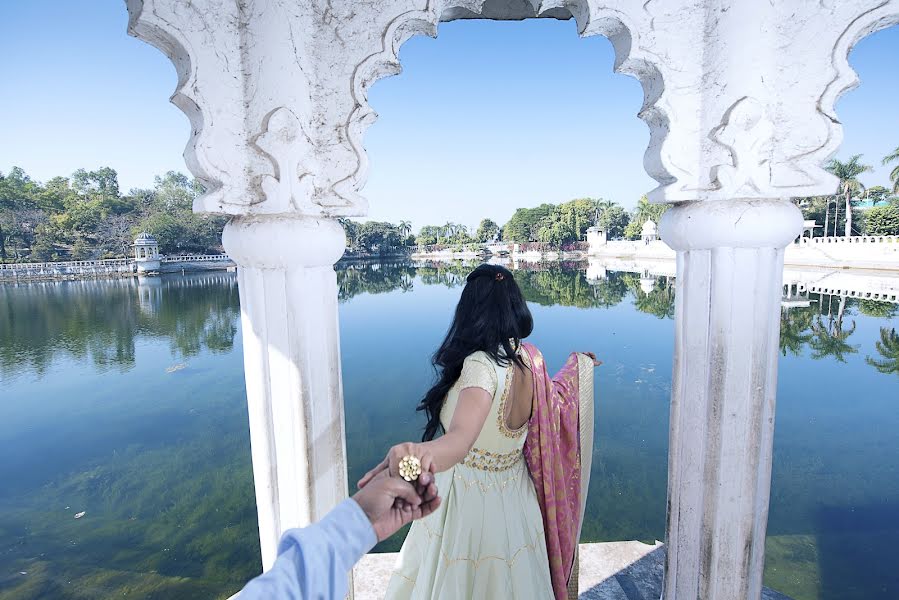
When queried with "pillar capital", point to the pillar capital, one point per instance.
{"points": [[739, 223], [283, 241]]}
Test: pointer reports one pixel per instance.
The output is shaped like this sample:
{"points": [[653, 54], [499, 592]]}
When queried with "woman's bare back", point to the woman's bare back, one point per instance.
{"points": [[519, 407]]}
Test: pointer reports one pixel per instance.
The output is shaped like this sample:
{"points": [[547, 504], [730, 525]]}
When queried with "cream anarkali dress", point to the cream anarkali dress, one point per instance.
{"points": [[486, 540]]}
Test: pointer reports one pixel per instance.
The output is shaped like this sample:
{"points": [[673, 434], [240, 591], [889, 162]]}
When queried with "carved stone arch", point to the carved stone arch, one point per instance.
{"points": [[846, 79], [158, 30], [381, 64], [621, 27]]}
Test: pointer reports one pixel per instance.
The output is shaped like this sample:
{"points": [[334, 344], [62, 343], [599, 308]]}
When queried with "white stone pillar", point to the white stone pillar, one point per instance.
{"points": [[291, 345], [729, 286]]}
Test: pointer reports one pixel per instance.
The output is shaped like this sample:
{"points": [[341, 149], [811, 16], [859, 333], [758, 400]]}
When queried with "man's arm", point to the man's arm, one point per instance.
{"points": [[313, 562]]}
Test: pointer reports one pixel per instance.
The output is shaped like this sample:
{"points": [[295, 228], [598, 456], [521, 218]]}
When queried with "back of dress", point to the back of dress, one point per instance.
{"points": [[486, 540], [496, 441]]}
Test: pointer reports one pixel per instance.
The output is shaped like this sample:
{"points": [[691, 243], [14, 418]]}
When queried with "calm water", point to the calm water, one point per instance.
{"points": [[125, 400]]}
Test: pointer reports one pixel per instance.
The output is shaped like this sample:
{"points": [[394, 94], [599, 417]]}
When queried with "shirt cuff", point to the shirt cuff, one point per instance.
{"points": [[350, 522]]}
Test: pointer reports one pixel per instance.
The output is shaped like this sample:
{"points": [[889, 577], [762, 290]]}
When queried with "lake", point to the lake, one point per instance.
{"points": [[124, 399]]}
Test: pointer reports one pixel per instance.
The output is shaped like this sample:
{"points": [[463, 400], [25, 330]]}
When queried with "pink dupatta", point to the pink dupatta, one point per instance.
{"points": [[553, 455]]}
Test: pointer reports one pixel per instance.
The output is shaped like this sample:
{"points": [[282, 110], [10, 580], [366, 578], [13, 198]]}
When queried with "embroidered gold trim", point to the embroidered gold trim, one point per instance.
{"points": [[501, 412], [500, 485], [484, 460]]}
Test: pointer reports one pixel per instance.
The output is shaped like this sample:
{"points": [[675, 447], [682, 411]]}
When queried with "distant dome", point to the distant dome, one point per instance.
{"points": [[145, 238], [649, 228]]}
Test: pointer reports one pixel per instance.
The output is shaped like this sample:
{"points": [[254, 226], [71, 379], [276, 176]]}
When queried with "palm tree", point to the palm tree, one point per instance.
{"points": [[601, 207], [405, 228], [894, 174], [795, 327], [847, 173], [888, 347], [831, 340]]}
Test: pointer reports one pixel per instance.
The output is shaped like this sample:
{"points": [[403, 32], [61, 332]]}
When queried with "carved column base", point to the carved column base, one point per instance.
{"points": [[288, 300], [729, 279]]}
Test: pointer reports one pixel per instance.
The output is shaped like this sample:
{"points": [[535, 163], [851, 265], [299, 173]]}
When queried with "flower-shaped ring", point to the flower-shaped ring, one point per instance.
{"points": [[410, 468]]}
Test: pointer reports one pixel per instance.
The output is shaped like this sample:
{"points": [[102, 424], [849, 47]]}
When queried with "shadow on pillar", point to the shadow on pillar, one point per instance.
{"points": [[855, 550], [642, 580]]}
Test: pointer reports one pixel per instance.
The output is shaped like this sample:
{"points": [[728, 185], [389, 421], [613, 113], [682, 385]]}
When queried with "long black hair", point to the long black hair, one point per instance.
{"points": [[491, 316]]}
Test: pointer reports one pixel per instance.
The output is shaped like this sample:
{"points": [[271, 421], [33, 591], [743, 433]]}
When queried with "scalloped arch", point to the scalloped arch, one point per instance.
{"points": [[846, 79], [167, 40], [619, 28]]}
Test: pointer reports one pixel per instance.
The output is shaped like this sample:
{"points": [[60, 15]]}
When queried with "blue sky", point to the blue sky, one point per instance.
{"points": [[486, 118]]}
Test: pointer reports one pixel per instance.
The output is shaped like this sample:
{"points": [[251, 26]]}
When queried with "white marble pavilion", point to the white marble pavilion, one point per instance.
{"points": [[739, 100]]}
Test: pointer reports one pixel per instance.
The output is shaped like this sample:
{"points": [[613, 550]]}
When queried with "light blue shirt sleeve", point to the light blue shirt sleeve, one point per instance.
{"points": [[313, 562]]}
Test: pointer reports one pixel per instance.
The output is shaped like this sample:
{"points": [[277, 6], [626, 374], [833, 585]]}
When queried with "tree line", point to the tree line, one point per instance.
{"points": [[839, 213], [86, 216], [555, 225]]}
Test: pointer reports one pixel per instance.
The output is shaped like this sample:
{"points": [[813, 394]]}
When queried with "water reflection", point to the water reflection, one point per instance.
{"points": [[546, 284], [99, 320], [125, 399]]}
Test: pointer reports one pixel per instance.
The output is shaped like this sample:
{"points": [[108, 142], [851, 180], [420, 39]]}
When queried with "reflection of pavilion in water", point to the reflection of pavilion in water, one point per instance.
{"points": [[151, 290], [798, 282]]}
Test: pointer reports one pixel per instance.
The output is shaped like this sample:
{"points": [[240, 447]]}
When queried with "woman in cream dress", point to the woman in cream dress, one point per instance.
{"points": [[488, 538]]}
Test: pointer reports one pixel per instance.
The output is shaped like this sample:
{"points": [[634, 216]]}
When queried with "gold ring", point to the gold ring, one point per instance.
{"points": [[410, 468]]}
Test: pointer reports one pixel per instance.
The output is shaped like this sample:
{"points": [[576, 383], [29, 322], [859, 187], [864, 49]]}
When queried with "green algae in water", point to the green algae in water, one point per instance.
{"points": [[126, 400]]}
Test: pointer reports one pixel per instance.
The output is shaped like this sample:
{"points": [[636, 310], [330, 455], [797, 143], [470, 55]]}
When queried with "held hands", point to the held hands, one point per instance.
{"points": [[596, 362], [391, 462], [389, 502]]}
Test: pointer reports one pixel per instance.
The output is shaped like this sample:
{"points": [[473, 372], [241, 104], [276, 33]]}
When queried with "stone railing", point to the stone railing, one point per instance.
{"points": [[856, 239], [196, 258], [65, 265], [67, 269]]}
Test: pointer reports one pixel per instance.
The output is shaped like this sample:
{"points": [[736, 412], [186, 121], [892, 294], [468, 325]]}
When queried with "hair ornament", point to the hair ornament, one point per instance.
{"points": [[500, 276]]}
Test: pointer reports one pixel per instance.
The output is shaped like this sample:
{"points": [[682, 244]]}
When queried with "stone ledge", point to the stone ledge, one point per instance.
{"points": [[608, 571]]}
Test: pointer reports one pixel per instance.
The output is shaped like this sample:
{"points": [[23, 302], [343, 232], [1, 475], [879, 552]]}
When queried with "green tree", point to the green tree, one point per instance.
{"points": [[525, 223], [379, 237], [831, 339], [487, 231], [888, 348], [849, 186], [894, 174], [428, 235], [795, 330], [877, 193], [613, 220], [17, 193], [404, 228], [80, 250], [644, 211], [43, 249], [878, 308], [168, 215], [350, 230], [882, 220]]}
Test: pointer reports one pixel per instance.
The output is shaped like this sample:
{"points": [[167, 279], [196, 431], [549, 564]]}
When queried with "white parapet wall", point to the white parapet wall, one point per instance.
{"points": [[858, 252], [865, 284]]}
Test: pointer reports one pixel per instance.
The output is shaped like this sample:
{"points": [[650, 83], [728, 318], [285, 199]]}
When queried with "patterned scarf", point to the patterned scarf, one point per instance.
{"points": [[553, 456]]}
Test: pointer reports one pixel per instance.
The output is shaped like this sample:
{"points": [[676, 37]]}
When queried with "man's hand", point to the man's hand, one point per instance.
{"points": [[389, 502]]}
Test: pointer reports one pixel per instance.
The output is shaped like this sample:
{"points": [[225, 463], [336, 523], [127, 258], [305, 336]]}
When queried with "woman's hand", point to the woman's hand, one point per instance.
{"points": [[391, 462], [596, 362]]}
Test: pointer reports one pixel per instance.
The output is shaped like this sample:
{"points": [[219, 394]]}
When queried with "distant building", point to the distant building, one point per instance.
{"points": [[650, 232], [146, 253]]}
